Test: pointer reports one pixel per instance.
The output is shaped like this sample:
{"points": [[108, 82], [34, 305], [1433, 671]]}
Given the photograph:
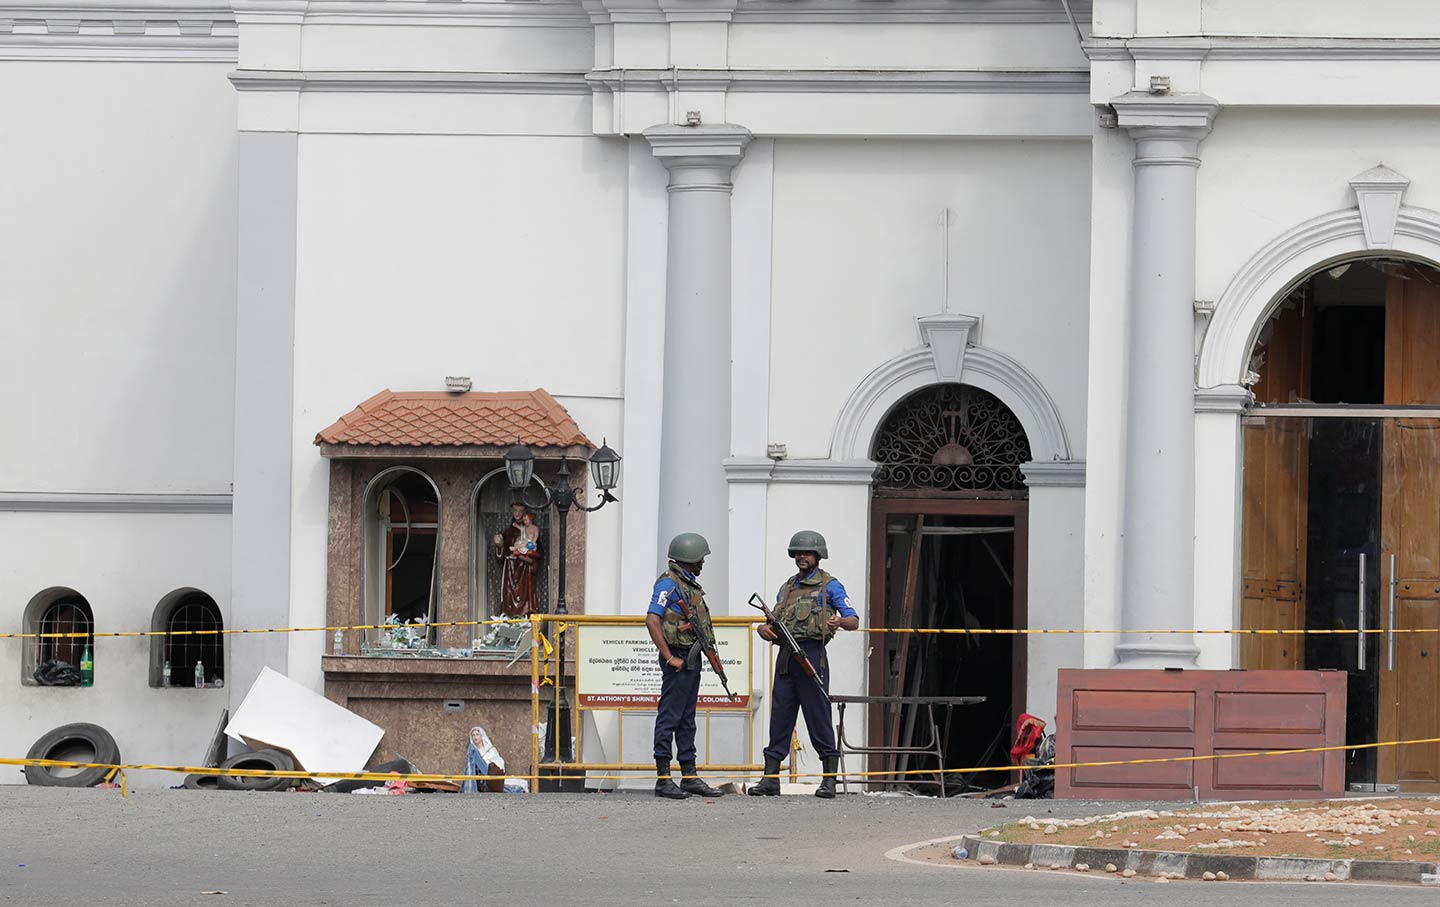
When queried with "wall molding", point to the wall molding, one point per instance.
{"points": [[1263, 280], [825, 471], [1054, 474], [550, 83], [837, 12], [821, 81], [985, 368], [1262, 49], [154, 31], [102, 502]]}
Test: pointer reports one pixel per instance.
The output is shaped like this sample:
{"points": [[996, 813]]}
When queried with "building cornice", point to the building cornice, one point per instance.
{"points": [[412, 82], [1225, 398], [936, 12], [824, 472], [873, 81], [742, 470], [101, 502], [1262, 49], [1054, 473], [156, 31]]}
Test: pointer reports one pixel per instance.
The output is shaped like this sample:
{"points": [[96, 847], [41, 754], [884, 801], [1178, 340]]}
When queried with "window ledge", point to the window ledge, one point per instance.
{"points": [[383, 665]]}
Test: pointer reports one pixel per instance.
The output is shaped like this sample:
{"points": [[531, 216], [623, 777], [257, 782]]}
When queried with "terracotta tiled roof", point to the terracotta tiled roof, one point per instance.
{"points": [[438, 419]]}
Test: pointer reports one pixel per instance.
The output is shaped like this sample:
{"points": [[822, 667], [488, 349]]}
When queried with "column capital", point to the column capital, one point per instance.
{"points": [[698, 157], [1231, 399], [1166, 128]]}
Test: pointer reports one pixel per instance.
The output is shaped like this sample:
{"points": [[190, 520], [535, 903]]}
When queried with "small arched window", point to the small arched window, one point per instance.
{"points": [[402, 548], [189, 641], [66, 613]]}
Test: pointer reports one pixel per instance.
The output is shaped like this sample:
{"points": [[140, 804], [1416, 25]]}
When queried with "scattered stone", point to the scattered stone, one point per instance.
{"points": [[1222, 876], [994, 834], [1111, 867], [1082, 867], [986, 860], [1128, 873], [1312, 878], [1209, 877], [1161, 881], [1051, 829], [1331, 877], [1056, 866]]}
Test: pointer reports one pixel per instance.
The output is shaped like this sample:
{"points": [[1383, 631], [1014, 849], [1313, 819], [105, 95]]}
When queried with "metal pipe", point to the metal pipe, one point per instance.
{"points": [[1390, 634], [1070, 14], [1360, 619]]}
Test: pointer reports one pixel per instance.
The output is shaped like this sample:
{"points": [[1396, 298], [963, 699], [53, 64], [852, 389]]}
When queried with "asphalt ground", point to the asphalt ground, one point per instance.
{"points": [[161, 848]]}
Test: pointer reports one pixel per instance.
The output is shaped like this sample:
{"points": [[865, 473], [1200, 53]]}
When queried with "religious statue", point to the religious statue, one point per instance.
{"points": [[518, 550]]}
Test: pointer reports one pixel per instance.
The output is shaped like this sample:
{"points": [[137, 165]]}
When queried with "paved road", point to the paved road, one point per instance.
{"points": [[164, 847]]}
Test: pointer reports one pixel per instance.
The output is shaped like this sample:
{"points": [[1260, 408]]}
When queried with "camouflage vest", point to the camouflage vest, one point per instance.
{"points": [[801, 608], [675, 637]]}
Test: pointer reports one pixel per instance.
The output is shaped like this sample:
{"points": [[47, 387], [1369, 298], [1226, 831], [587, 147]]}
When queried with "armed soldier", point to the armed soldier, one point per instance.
{"points": [[676, 606], [811, 605]]}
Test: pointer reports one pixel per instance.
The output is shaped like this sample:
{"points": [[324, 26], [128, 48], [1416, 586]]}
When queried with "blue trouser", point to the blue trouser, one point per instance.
{"points": [[676, 716], [795, 692]]}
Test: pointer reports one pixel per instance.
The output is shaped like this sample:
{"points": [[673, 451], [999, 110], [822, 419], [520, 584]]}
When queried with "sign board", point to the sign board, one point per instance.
{"points": [[618, 667]]}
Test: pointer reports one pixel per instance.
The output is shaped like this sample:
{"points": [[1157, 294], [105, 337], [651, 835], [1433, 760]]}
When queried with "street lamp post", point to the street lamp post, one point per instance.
{"points": [[605, 472]]}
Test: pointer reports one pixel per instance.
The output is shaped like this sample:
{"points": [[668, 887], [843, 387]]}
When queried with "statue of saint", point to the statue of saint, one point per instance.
{"points": [[518, 550]]}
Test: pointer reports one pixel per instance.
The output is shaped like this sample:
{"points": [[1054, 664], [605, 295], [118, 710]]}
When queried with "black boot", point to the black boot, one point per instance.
{"points": [[664, 787], [826, 790], [769, 786], [691, 783]]}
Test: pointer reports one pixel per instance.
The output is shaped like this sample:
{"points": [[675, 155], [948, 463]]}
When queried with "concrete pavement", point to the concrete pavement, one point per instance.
{"points": [[165, 847]]}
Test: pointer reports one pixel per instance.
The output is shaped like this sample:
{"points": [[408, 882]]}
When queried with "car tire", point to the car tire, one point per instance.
{"points": [[271, 760], [72, 743], [202, 782]]}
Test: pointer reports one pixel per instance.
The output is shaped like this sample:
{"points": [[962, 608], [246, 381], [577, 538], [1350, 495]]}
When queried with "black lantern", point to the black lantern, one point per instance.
{"points": [[605, 467], [519, 466]]}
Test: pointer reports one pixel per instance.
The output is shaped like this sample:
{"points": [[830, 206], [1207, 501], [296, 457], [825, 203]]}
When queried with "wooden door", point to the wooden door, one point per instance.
{"points": [[1409, 706], [1274, 520], [1273, 543]]}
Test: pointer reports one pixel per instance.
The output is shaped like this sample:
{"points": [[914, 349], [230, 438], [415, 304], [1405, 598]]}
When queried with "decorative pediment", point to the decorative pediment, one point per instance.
{"points": [[1378, 192], [948, 336]]}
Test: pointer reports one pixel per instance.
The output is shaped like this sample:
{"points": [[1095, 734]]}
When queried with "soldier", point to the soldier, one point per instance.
{"points": [[813, 605], [679, 664]]}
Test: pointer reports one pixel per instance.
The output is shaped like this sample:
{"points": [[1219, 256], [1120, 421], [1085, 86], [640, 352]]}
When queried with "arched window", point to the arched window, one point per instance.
{"points": [[190, 621], [402, 548], [951, 438], [57, 610], [502, 583]]}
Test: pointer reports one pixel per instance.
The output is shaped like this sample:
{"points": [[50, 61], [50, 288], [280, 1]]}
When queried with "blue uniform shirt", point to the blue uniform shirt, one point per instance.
{"points": [[667, 593], [835, 597]]}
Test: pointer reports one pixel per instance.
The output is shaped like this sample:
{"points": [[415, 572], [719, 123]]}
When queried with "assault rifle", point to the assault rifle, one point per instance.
{"points": [[707, 645], [788, 641]]}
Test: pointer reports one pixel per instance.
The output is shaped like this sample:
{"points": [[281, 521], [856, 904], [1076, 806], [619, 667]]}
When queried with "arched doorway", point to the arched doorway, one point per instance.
{"points": [[949, 537], [1340, 525]]}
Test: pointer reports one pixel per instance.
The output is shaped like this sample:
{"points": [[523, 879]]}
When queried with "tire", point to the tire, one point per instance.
{"points": [[72, 743], [271, 760], [202, 782]]}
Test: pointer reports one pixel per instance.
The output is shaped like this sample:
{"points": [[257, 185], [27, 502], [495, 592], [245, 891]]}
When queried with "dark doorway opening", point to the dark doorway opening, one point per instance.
{"points": [[957, 565]]}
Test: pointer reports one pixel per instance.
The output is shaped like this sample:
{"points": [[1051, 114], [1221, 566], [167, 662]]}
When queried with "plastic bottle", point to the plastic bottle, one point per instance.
{"points": [[199, 675], [165, 674], [339, 643], [87, 668]]}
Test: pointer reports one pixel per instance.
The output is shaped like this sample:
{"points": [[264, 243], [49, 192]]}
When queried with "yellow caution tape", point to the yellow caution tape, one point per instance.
{"points": [[570, 621], [749, 774]]}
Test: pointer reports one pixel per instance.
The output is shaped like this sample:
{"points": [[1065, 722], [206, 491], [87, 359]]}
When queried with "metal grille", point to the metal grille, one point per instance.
{"points": [[183, 652], [65, 616], [951, 437]]}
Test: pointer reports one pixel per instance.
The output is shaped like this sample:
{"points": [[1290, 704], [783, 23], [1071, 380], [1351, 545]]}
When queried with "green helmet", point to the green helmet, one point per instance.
{"points": [[808, 540], [688, 548]]}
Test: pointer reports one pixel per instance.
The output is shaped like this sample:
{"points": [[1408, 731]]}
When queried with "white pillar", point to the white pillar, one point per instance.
{"points": [[695, 439], [1157, 581], [1054, 580]]}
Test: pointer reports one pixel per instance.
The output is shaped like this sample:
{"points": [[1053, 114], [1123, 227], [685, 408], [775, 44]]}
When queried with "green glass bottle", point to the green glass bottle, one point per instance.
{"points": [[87, 668]]}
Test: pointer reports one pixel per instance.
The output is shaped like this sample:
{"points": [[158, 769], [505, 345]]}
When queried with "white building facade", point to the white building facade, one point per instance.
{"points": [[1018, 253]]}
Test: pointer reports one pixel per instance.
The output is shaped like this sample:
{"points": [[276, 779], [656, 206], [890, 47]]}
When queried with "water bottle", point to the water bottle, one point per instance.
{"points": [[87, 668], [339, 643], [165, 674], [199, 675]]}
